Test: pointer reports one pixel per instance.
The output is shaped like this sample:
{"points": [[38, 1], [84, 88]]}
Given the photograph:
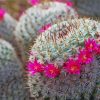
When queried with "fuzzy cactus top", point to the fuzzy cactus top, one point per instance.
{"points": [[64, 41], [63, 64], [39, 18]]}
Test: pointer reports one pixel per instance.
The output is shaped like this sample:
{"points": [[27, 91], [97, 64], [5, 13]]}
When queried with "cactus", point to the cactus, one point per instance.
{"points": [[58, 51], [7, 26], [39, 16], [84, 7], [12, 85]]}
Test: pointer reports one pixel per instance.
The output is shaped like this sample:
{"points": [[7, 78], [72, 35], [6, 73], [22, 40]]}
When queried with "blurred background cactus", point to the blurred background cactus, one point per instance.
{"points": [[12, 86], [7, 26], [88, 7], [16, 7]]}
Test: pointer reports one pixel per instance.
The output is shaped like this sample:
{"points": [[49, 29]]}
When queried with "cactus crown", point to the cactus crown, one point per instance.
{"points": [[61, 42]]}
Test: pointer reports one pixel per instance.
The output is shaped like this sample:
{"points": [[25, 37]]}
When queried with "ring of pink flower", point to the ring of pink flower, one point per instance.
{"points": [[72, 65], [2, 13]]}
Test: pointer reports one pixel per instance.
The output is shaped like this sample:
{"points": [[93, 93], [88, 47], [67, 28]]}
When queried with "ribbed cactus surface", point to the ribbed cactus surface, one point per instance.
{"points": [[59, 48], [7, 27], [12, 83]]}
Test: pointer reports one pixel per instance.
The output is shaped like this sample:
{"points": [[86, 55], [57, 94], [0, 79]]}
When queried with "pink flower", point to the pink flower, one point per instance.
{"points": [[2, 13], [34, 67], [72, 67], [45, 27], [33, 2], [90, 45], [85, 57], [69, 3], [98, 49], [51, 71]]}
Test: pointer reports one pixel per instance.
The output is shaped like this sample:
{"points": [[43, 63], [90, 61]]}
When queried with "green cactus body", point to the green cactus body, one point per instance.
{"points": [[12, 85], [38, 16], [55, 46], [7, 27], [84, 7]]}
